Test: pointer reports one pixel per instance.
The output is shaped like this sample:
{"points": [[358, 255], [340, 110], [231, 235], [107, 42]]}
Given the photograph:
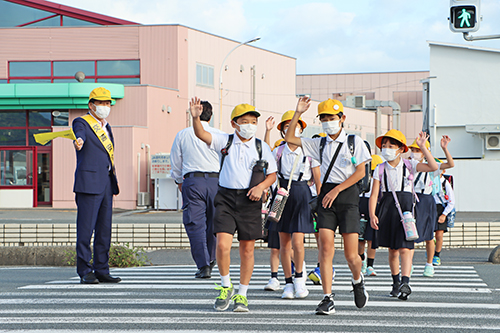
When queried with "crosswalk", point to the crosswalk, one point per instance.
{"points": [[169, 298]]}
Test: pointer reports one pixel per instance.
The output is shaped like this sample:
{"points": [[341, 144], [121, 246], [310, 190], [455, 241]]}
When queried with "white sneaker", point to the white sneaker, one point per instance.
{"points": [[300, 288], [272, 285], [288, 291]]}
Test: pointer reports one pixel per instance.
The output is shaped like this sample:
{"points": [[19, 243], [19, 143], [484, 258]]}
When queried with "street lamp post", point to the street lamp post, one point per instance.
{"points": [[220, 76]]}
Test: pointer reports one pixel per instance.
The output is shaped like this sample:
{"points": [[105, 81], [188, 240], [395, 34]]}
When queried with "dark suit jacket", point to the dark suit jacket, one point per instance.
{"points": [[92, 161]]}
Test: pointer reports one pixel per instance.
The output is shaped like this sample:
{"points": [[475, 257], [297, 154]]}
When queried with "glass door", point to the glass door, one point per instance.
{"points": [[44, 178]]}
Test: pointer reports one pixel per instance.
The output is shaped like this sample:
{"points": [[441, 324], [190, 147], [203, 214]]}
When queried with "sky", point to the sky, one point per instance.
{"points": [[336, 36]]}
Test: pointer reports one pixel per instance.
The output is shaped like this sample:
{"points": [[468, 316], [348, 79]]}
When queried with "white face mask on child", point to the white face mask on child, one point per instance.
{"points": [[417, 156], [247, 131], [297, 132], [331, 127], [389, 154]]}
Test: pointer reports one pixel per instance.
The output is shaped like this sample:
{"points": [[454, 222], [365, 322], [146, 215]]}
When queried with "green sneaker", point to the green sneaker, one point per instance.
{"points": [[428, 271], [240, 303], [436, 261], [224, 298]]}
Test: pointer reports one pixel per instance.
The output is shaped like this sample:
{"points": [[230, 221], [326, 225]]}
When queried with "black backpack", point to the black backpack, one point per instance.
{"points": [[364, 183], [224, 151]]}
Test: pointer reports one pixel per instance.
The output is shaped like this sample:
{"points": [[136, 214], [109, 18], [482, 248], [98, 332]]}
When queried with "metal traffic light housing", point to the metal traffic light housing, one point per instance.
{"points": [[464, 15]]}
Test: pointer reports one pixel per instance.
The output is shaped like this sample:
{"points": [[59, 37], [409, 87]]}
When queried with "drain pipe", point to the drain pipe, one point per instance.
{"points": [[138, 173], [148, 172]]}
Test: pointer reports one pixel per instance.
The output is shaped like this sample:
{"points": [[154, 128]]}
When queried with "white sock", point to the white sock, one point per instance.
{"points": [[427, 264], [242, 290], [324, 295], [358, 280], [225, 281]]}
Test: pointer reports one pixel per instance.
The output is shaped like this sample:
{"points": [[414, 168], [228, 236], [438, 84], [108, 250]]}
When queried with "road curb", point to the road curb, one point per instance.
{"points": [[34, 255]]}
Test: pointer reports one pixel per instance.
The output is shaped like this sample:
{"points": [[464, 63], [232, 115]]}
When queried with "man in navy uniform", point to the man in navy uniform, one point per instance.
{"points": [[95, 185], [195, 169]]}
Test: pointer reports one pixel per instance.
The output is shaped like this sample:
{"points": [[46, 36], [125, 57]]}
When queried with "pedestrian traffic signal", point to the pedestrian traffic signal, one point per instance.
{"points": [[464, 15]]}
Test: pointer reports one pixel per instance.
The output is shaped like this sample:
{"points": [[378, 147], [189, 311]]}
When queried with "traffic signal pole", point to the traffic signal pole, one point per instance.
{"points": [[471, 38]]}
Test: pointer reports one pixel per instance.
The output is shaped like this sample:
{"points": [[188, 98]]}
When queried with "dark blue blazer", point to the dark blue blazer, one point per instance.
{"points": [[92, 161]]}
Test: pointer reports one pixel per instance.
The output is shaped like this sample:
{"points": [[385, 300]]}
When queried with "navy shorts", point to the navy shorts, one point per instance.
{"points": [[344, 212], [235, 211]]}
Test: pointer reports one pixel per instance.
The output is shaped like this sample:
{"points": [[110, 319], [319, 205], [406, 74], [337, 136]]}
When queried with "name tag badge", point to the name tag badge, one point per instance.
{"points": [[345, 161]]}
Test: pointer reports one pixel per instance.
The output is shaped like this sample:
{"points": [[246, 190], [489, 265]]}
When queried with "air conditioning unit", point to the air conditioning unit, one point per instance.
{"points": [[356, 101], [493, 141], [143, 199]]}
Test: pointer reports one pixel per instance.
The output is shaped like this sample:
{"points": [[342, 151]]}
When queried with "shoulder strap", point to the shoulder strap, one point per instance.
{"points": [[322, 144], [302, 169], [224, 151], [258, 146], [279, 154], [332, 162], [350, 143]]}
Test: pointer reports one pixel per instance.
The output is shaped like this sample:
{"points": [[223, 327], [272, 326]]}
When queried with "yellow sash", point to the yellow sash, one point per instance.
{"points": [[106, 142]]}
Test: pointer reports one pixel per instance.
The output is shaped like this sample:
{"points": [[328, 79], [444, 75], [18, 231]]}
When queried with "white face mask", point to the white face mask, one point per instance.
{"points": [[297, 132], [102, 111], [331, 127], [247, 131], [417, 156], [389, 154]]}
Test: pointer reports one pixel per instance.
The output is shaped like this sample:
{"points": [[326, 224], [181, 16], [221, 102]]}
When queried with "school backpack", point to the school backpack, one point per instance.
{"points": [[224, 151], [449, 178], [364, 183]]}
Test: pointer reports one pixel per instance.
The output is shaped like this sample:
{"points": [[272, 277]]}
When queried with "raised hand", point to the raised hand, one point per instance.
{"points": [[421, 139], [195, 107], [303, 104], [270, 123], [444, 141]]}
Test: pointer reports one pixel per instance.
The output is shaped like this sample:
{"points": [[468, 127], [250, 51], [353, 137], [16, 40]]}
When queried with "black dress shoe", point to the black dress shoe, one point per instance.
{"points": [[212, 264], [108, 278], [204, 273], [89, 279]]}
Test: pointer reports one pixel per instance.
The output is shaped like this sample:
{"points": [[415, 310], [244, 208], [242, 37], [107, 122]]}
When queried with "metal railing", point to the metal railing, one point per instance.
{"points": [[168, 235]]}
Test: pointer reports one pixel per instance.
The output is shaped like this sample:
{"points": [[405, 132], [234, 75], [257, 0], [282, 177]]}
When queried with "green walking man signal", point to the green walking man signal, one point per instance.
{"points": [[464, 15]]}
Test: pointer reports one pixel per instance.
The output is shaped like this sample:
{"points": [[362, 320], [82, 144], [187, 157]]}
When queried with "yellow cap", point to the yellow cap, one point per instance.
{"points": [[101, 94], [414, 145], [278, 143], [395, 134], [288, 116], [376, 160], [330, 106], [242, 109]]}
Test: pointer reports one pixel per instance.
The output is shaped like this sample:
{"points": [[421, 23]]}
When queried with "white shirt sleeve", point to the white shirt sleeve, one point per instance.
{"points": [[269, 157], [451, 198], [314, 163], [176, 160], [361, 152], [219, 141], [376, 173], [310, 147]]}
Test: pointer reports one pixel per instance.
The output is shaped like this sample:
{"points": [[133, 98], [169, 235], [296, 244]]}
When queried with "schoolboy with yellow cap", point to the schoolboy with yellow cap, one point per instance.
{"points": [[296, 219], [339, 197], [396, 175], [427, 184], [238, 202], [366, 236], [95, 185]]}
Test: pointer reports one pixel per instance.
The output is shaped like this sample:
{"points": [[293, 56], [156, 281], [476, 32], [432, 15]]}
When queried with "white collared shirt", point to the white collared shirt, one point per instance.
{"points": [[395, 176], [440, 199], [190, 154], [425, 183], [343, 168], [288, 158], [237, 169], [102, 126]]}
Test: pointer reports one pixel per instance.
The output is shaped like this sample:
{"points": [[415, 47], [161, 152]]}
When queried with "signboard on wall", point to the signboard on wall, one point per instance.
{"points": [[160, 165]]}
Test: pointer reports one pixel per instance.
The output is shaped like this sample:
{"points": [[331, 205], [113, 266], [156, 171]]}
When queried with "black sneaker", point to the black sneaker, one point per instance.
{"points": [[360, 294], [326, 306], [404, 291], [395, 290]]}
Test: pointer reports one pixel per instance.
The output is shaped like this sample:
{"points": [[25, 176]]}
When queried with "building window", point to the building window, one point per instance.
{"points": [[111, 71], [17, 127], [15, 167], [204, 75]]}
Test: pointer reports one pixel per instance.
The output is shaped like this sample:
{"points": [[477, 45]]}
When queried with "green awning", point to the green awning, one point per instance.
{"points": [[16, 96]]}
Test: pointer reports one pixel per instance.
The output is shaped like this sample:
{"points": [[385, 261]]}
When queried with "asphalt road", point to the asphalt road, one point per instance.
{"points": [[463, 296]]}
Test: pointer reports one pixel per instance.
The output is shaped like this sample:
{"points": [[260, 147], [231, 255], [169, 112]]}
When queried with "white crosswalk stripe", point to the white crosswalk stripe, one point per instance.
{"points": [[455, 299]]}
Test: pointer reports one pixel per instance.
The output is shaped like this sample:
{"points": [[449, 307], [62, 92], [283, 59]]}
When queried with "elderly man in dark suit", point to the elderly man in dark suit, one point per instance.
{"points": [[95, 185]]}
